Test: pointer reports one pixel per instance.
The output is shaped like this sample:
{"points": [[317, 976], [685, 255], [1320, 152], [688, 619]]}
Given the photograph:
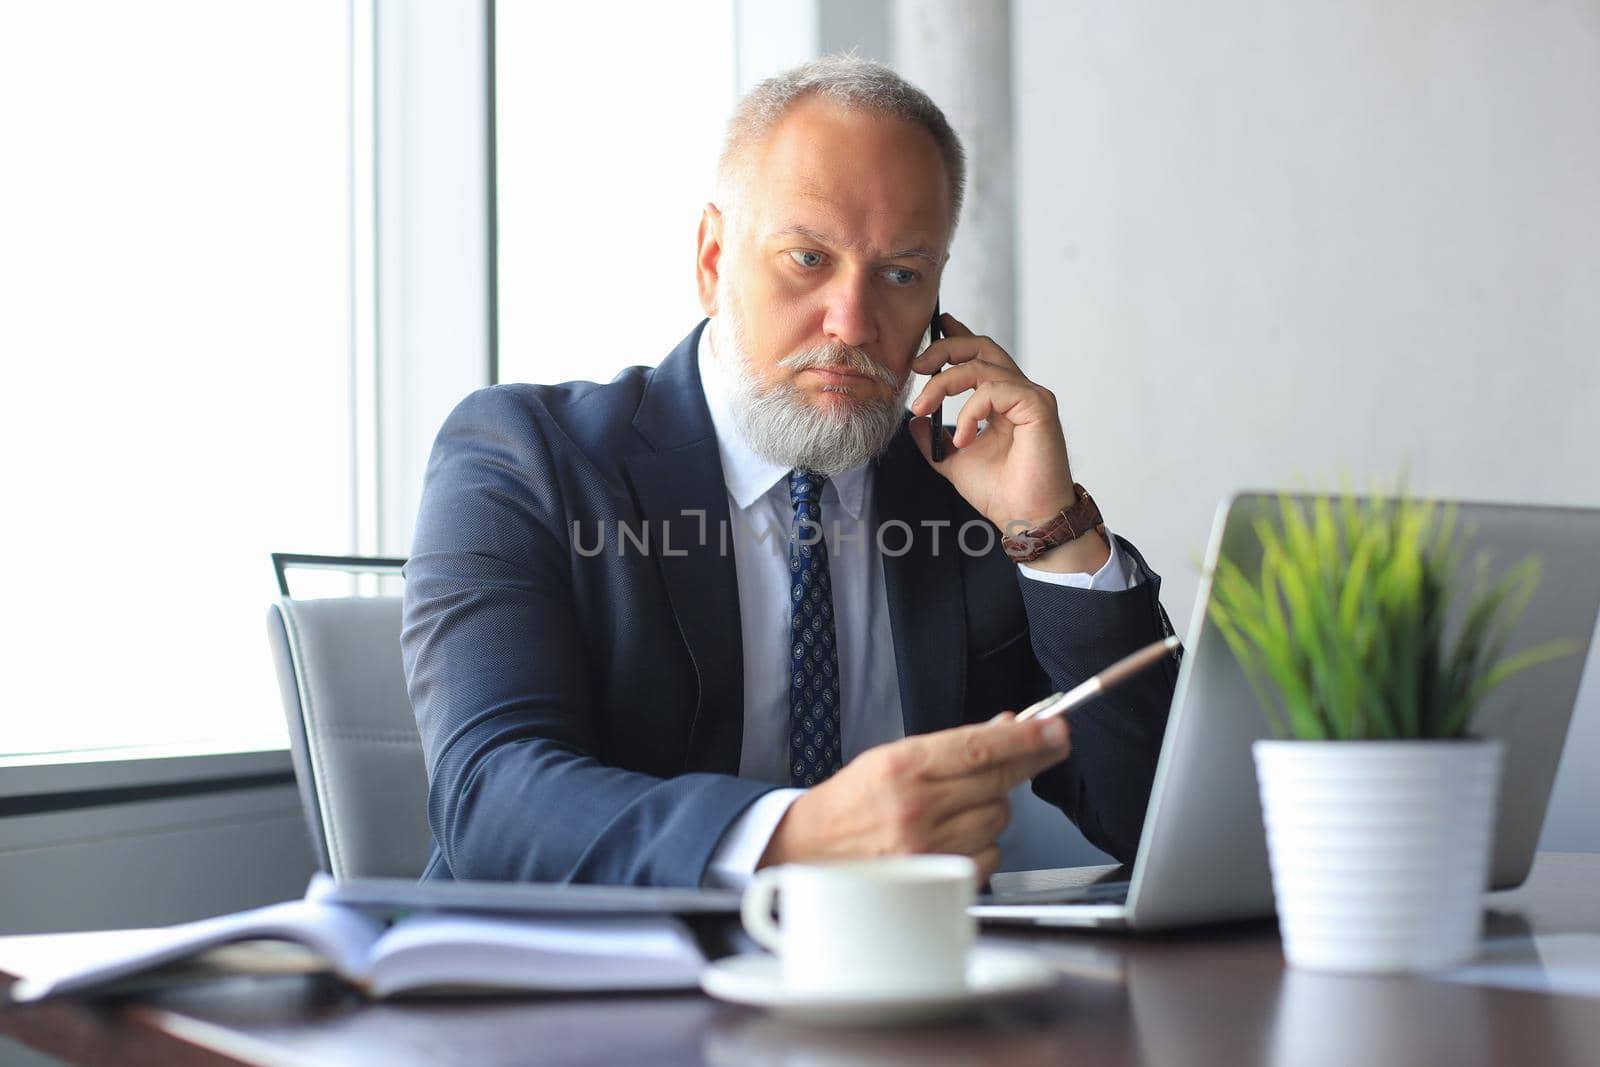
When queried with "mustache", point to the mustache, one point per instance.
{"points": [[840, 357]]}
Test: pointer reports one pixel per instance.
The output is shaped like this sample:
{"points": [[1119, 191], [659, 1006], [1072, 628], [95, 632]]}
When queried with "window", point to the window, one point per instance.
{"points": [[175, 269], [605, 156]]}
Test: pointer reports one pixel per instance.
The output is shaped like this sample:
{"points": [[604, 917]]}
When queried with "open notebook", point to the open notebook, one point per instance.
{"points": [[424, 952]]}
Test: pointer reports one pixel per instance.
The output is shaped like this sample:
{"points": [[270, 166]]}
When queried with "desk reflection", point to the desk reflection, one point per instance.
{"points": [[1252, 1010], [994, 1037]]}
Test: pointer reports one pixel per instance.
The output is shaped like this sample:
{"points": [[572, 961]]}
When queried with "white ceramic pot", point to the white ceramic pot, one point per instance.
{"points": [[1379, 849]]}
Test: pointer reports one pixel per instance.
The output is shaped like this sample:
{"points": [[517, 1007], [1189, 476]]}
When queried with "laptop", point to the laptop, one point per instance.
{"points": [[1202, 856]]}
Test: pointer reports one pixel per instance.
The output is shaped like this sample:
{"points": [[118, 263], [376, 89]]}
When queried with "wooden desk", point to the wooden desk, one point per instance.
{"points": [[1217, 996]]}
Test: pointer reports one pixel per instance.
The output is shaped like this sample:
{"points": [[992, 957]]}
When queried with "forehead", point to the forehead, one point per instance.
{"points": [[870, 180]]}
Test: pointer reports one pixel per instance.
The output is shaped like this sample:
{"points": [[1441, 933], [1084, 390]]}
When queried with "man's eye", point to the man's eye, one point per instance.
{"points": [[901, 276], [805, 258]]}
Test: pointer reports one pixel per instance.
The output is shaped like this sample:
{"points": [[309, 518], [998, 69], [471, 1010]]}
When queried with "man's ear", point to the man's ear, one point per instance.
{"points": [[708, 258]]}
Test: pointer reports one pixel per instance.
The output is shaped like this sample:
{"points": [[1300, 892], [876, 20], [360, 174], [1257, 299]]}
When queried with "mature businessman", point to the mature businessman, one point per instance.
{"points": [[729, 612]]}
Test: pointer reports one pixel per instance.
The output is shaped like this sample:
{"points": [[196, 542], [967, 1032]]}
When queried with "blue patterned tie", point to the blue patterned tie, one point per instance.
{"points": [[814, 748]]}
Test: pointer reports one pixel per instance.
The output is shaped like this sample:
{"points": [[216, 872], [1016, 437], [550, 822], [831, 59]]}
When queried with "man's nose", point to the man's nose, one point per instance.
{"points": [[849, 317]]}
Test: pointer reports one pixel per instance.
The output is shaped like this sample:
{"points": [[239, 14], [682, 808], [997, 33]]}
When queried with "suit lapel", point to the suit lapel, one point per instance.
{"points": [[926, 599], [680, 487], [682, 480]]}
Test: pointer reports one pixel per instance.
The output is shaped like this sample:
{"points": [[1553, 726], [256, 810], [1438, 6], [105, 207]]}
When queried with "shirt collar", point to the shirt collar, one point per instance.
{"points": [[749, 476]]}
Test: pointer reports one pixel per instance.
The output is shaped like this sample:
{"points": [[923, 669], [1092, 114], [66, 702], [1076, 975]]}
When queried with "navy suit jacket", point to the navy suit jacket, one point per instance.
{"points": [[581, 712]]}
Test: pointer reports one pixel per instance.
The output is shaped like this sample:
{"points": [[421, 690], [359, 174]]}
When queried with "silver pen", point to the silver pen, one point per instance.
{"points": [[1112, 676]]}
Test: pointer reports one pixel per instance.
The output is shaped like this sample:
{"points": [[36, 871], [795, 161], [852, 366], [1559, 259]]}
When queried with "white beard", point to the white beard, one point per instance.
{"points": [[782, 425]]}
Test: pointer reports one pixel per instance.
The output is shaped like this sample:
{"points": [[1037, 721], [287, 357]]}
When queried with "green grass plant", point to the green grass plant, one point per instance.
{"points": [[1342, 634]]}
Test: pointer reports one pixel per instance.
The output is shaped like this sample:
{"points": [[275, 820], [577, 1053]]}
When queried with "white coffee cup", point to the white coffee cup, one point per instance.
{"points": [[896, 926]]}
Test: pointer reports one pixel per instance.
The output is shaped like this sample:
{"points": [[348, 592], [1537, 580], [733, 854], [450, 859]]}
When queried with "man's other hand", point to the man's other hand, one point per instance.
{"points": [[939, 792]]}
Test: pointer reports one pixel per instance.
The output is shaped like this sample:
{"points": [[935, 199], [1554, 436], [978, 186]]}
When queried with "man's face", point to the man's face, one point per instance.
{"points": [[836, 243]]}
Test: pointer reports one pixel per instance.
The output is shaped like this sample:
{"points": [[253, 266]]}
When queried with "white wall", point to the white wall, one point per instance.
{"points": [[1267, 245]]}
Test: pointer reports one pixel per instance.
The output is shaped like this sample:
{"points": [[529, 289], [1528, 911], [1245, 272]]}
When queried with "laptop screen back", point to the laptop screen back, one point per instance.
{"points": [[1203, 853]]}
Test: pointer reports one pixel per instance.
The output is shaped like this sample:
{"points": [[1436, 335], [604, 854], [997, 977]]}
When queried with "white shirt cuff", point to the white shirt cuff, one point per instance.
{"points": [[740, 849], [1112, 577]]}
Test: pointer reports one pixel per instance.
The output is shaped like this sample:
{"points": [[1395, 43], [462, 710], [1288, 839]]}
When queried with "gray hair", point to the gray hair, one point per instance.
{"points": [[857, 85]]}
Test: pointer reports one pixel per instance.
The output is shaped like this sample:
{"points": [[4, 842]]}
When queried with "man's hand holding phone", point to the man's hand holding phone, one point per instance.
{"points": [[938, 792], [1015, 470]]}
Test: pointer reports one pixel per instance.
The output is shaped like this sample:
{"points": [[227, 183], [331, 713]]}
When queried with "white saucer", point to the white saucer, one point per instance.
{"points": [[992, 973]]}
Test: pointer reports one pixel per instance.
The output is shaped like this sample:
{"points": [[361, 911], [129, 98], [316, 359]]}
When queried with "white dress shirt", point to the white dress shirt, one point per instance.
{"points": [[760, 518]]}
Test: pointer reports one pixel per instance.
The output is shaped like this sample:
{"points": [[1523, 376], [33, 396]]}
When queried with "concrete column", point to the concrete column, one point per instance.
{"points": [[959, 53]]}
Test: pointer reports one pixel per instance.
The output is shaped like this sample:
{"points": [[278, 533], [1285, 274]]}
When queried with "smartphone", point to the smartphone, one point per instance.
{"points": [[936, 422]]}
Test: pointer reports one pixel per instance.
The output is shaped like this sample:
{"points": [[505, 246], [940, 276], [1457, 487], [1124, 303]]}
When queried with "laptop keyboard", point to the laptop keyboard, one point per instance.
{"points": [[1094, 893]]}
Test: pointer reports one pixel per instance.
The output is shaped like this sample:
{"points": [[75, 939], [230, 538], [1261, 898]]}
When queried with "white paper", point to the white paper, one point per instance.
{"points": [[37, 955], [422, 951], [340, 936], [569, 953]]}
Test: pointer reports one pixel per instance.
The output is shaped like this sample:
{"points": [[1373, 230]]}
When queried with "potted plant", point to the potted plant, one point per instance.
{"points": [[1370, 642]]}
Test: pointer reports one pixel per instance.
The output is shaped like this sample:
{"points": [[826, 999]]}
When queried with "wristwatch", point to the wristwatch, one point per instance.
{"points": [[1068, 524]]}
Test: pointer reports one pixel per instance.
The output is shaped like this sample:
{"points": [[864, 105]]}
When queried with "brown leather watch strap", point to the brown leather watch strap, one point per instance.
{"points": [[1068, 524]]}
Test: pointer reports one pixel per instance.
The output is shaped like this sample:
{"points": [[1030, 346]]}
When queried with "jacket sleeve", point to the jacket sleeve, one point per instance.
{"points": [[499, 678], [1116, 739]]}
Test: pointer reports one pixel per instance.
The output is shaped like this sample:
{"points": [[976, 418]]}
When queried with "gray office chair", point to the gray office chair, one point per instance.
{"points": [[357, 757]]}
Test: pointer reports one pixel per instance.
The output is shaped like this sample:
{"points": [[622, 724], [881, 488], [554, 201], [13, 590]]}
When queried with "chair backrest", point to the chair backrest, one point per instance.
{"points": [[357, 756]]}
